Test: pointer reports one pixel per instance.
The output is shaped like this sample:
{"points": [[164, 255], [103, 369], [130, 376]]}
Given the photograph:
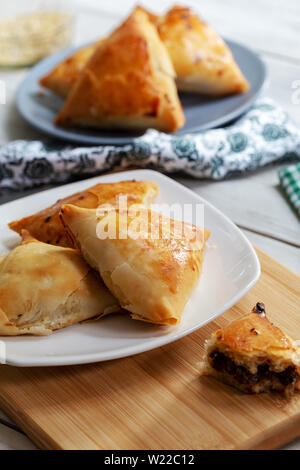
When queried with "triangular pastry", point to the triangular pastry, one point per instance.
{"points": [[127, 83], [45, 287], [46, 225], [202, 61], [253, 355], [151, 275], [63, 76]]}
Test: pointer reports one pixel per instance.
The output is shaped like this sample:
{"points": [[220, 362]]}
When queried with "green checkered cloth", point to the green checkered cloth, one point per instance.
{"points": [[290, 182]]}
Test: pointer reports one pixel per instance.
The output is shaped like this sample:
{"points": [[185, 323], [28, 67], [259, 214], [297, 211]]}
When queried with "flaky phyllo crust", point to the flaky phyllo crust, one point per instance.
{"points": [[46, 225], [253, 354], [202, 60], [151, 277], [127, 83], [63, 76], [45, 287]]}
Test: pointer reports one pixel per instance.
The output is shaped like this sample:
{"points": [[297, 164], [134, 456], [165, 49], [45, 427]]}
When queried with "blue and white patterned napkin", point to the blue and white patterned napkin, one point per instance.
{"points": [[263, 135]]}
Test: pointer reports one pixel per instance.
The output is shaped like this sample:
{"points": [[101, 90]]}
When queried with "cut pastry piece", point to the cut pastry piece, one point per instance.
{"points": [[46, 225], [63, 76], [127, 83], [253, 355], [201, 59], [149, 262], [44, 287]]}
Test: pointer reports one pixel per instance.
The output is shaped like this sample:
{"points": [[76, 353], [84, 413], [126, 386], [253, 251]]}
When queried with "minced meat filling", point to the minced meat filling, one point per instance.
{"points": [[222, 363]]}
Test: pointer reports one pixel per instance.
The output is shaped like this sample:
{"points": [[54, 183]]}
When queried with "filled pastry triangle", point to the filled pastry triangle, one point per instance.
{"points": [[150, 263], [202, 61], [63, 76], [46, 225], [44, 288], [253, 355], [127, 83]]}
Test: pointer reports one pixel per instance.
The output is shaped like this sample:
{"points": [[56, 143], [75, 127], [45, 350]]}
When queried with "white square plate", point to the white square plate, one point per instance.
{"points": [[230, 269]]}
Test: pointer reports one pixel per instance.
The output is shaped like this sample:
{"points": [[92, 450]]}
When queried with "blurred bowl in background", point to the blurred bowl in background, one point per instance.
{"points": [[29, 31]]}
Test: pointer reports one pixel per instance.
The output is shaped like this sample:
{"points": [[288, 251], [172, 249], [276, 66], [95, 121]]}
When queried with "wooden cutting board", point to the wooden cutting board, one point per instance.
{"points": [[156, 400]]}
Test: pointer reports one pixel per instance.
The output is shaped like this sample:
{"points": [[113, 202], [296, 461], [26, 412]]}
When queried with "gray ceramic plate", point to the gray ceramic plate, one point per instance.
{"points": [[201, 113]]}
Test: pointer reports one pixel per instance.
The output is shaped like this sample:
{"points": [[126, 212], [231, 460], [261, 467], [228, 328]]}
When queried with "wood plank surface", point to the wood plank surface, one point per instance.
{"points": [[254, 201], [284, 253], [156, 400], [14, 440]]}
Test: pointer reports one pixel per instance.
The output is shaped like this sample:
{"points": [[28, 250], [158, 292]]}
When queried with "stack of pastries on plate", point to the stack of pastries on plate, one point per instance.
{"points": [[63, 272], [131, 78]]}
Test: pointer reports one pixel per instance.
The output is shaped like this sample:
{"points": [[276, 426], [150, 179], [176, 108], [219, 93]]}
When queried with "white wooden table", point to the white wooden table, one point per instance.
{"points": [[254, 202]]}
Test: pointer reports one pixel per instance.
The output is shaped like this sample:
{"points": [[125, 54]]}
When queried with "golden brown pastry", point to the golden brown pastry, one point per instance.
{"points": [[63, 76], [253, 355], [46, 225], [127, 83], [45, 287], [202, 61], [153, 270]]}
